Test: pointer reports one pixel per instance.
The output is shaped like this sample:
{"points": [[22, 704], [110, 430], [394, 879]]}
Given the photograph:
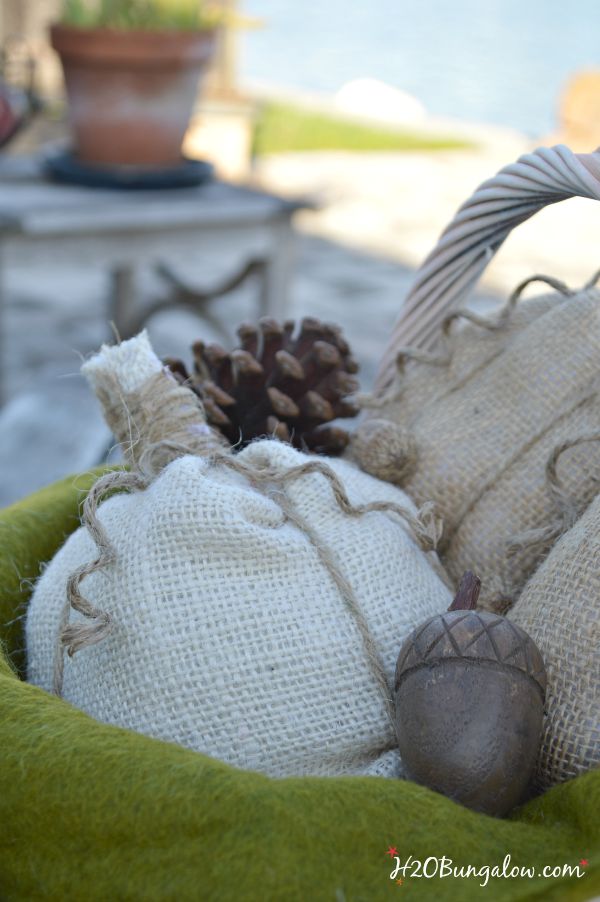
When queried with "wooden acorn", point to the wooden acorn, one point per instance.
{"points": [[469, 695], [277, 383]]}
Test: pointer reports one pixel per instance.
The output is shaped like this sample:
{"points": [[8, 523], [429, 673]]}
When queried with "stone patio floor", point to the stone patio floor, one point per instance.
{"points": [[381, 213]]}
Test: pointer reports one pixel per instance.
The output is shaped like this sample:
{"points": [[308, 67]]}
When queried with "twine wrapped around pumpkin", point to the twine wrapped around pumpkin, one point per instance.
{"points": [[424, 376]]}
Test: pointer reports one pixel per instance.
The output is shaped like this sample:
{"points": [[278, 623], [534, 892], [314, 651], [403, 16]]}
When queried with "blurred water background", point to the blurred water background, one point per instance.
{"points": [[498, 61]]}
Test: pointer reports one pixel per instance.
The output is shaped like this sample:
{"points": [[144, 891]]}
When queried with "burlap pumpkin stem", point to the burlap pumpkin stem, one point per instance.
{"points": [[278, 382]]}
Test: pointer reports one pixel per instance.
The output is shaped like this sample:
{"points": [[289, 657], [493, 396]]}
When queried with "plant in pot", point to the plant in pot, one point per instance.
{"points": [[132, 70]]}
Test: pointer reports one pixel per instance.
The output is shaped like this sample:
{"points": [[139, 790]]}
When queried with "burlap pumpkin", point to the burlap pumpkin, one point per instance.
{"points": [[475, 435], [250, 607], [560, 609]]}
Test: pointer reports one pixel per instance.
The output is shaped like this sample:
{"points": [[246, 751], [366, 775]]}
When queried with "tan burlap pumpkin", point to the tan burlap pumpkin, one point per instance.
{"points": [[473, 433], [560, 609]]}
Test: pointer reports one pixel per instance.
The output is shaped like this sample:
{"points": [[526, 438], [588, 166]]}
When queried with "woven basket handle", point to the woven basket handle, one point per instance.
{"points": [[467, 245]]}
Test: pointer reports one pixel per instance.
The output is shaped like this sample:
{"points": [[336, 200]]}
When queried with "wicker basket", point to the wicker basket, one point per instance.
{"points": [[93, 812], [476, 413], [479, 228]]}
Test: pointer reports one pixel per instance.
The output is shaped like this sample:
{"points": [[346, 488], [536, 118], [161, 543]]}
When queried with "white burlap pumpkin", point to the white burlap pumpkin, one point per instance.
{"points": [[230, 635]]}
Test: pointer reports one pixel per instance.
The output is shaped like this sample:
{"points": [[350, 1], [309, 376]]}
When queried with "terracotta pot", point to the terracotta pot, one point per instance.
{"points": [[131, 93]]}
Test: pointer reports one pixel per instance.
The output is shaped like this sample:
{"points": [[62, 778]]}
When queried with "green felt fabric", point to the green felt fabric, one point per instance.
{"points": [[91, 812]]}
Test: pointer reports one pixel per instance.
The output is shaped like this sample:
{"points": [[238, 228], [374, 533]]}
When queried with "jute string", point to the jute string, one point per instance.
{"points": [[347, 592], [425, 526], [139, 421], [444, 356], [73, 637], [569, 511], [160, 407]]}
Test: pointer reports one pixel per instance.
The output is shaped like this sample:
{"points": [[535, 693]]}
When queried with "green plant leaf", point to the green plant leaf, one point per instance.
{"points": [[185, 15]]}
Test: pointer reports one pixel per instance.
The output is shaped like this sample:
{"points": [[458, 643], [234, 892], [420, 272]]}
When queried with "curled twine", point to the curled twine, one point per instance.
{"points": [[347, 592], [366, 400], [542, 538], [76, 636], [161, 406], [425, 525], [592, 283]]}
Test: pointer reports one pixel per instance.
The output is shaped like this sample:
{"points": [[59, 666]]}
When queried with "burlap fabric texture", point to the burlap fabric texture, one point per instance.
{"points": [[560, 609], [468, 343], [474, 434], [248, 606]]}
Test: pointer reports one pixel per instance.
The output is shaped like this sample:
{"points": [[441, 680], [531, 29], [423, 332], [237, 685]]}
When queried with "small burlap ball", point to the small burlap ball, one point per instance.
{"points": [[391, 450], [560, 609], [484, 438]]}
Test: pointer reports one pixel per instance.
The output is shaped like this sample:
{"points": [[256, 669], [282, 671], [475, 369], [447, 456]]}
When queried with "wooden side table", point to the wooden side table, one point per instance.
{"points": [[42, 222]]}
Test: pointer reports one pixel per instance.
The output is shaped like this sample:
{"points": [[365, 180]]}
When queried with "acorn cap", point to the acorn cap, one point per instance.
{"points": [[477, 636]]}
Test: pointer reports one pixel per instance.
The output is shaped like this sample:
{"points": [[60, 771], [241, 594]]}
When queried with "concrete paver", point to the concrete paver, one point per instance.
{"points": [[357, 256]]}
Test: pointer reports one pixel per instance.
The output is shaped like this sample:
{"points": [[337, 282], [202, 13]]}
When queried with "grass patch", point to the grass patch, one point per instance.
{"points": [[281, 128]]}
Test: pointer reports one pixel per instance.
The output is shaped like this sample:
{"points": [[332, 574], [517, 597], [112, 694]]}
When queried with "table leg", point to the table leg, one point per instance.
{"points": [[274, 298], [122, 301]]}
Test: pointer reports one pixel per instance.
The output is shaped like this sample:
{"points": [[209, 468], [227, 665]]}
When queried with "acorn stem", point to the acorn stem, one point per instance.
{"points": [[468, 593]]}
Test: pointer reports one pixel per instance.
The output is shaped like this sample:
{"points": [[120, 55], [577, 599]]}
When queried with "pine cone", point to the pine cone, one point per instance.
{"points": [[277, 384]]}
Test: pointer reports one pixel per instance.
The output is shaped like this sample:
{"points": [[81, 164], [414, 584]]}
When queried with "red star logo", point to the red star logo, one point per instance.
{"points": [[392, 851], [399, 881], [583, 863]]}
